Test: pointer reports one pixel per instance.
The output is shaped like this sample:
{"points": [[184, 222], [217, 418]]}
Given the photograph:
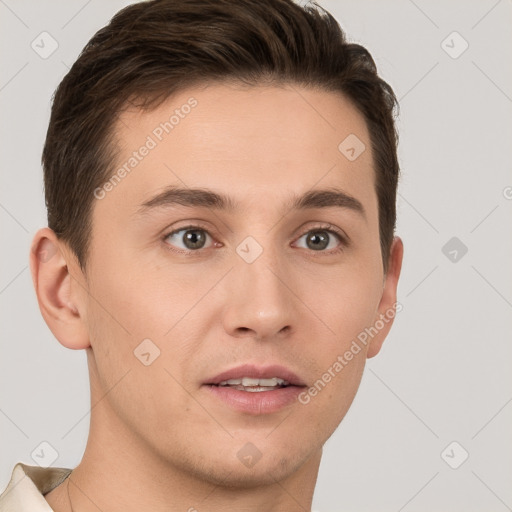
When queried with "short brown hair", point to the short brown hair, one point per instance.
{"points": [[153, 49]]}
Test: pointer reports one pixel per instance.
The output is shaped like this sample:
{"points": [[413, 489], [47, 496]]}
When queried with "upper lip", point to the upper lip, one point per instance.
{"points": [[257, 372]]}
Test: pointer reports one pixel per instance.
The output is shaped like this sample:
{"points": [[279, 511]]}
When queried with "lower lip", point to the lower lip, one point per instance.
{"points": [[261, 402]]}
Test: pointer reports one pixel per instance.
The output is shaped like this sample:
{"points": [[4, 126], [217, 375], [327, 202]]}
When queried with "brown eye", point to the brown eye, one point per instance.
{"points": [[189, 238], [323, 240], [317, 240]]}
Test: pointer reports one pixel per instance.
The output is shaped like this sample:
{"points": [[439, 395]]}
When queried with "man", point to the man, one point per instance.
{"points": [[220, 180]]}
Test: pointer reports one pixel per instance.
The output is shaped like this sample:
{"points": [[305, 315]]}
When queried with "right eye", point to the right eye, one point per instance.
{"points": [[188, 238]]}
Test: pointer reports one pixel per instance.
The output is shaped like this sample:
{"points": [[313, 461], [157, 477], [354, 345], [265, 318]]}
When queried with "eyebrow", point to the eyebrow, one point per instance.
{"points": [[202, 197]]}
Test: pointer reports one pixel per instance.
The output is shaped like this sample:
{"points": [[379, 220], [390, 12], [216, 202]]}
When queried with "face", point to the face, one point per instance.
{"points": [[189, 292]]}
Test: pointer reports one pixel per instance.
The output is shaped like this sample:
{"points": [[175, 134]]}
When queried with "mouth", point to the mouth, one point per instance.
{"points": [[256, 390], [253, 385], [252, 376]]}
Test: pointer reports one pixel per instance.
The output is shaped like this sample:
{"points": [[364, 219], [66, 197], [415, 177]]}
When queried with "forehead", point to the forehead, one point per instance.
{"points": [[258, 143]]}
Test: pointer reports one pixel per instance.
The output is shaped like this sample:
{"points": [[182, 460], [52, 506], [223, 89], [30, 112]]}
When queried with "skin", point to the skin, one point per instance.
{"points": [[158, 440]]}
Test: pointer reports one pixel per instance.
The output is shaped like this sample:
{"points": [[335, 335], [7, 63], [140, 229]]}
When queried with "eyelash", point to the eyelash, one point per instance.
{"points": [[343, 241]]}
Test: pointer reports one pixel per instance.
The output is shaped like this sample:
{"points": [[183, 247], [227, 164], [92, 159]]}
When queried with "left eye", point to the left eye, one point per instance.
{"points": [[193, 238], [321, 239]]}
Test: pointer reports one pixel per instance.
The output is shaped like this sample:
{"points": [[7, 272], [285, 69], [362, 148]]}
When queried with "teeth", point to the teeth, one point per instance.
{"points": [[230, 382], [247, 382], [274, 381]]}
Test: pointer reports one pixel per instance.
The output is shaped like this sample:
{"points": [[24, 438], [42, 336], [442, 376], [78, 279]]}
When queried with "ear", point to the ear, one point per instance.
{"points": [[388, 305], [59, 296]]}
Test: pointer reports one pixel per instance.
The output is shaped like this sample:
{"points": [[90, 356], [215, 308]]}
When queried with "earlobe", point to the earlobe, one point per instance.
{"points": [[388, 306], [58, 299]]}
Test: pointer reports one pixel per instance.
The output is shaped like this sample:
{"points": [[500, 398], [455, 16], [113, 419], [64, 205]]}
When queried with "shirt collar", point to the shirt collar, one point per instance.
{"points": [[27, 487]]}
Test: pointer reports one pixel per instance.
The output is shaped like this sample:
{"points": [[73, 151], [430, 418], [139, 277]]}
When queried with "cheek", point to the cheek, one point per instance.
{"points": [[345, 301], [139, 393], [131, 313], [345, 307], [143, 302]]}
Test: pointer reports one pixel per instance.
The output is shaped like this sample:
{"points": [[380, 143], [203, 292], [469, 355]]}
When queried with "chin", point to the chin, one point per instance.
{"points": [[262, 474], [274, 464]]}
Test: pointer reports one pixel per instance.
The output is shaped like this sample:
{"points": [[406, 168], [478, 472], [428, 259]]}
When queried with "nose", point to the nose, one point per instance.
{"points": [[260, 301]]}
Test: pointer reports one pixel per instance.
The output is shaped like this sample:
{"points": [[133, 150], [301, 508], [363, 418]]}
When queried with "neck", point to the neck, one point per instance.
{"points": [[125, 477]]}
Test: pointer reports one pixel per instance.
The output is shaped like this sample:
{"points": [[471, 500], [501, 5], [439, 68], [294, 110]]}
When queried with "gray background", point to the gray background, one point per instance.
{"points": [[444, 372]]}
